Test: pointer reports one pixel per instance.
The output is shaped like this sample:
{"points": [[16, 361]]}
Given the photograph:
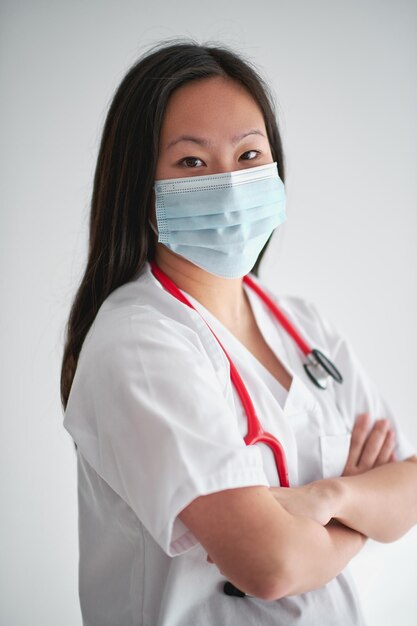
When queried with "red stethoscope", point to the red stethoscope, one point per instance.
{"points": [[318, 368]]}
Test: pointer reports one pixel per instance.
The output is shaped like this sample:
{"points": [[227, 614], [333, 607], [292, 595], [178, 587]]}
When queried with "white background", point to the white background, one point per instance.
{"points": [[345, 78]]}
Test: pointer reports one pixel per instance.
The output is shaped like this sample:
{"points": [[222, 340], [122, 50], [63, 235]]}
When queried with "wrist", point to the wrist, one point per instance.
{"points": [[336, 492], [329, 493], [341, 497]]}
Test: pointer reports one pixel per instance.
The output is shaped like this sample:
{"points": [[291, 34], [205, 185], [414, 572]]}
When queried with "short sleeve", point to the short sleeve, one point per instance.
{"points": [[148, 412], [358, 393]]}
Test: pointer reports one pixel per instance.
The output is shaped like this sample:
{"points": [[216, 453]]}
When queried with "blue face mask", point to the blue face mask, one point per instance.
{"points": [[220, 222]]}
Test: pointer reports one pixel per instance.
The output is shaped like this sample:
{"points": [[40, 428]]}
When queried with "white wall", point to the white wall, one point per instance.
{"points": [[345, 77]]}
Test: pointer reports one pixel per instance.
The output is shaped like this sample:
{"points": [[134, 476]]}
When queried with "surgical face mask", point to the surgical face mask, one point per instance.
{"points": [[220, 222]]}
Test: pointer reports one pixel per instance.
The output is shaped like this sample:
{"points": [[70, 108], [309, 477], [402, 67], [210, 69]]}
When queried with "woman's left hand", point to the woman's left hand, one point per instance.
{"points": [[371, 445], [317, 500]]}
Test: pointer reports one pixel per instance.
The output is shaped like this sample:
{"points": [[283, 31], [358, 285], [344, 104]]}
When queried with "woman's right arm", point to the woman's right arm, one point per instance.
{"points": [[264, 550], [269, 552]]}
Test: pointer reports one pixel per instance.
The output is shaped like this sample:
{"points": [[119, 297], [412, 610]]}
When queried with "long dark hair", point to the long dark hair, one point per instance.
{"points": [[120, 239]]}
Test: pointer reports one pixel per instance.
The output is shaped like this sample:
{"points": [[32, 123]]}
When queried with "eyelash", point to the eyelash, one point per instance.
{"points": [[258, 152], [182, 162]]}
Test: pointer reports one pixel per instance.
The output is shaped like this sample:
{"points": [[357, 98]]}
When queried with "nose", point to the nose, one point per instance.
{"points": [[222, 164]]}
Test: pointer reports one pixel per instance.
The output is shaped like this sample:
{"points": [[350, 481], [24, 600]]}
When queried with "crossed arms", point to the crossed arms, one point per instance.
{"points": [[274, 542]]}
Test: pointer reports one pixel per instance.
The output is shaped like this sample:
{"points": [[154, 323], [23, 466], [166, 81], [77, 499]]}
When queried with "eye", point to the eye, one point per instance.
{"points": [[249, 155], [191, 162]]}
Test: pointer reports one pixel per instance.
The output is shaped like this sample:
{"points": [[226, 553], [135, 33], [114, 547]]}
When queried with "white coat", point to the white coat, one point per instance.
{"points": [[158, 423]]}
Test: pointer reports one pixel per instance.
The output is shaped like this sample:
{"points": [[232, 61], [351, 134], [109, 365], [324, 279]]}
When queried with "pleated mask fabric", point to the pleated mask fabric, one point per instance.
{"points": [[221, 222]]}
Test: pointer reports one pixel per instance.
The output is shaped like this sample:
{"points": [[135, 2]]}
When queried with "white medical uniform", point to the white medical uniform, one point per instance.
{"points": [[157, 423]]}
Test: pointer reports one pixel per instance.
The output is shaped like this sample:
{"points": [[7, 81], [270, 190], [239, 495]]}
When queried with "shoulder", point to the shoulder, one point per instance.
{"points": [[138, 311], [140, 326]]}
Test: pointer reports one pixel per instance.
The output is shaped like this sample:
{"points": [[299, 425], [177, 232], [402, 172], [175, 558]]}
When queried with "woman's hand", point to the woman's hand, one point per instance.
{"points": [[316, 500], [369, 446]]}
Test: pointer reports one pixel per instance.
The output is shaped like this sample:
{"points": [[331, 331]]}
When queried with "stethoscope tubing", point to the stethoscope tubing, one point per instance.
{"points": [[255, 432], [283, 320], [315, 360]]}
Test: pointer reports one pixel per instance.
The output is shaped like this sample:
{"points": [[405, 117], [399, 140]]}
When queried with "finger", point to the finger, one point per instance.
{"points": [[387, 448], [373, 444], [359, 434], [393, 458]]}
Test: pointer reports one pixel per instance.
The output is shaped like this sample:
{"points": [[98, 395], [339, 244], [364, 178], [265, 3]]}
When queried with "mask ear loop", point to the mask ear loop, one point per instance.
{"points": [[153, 227]]}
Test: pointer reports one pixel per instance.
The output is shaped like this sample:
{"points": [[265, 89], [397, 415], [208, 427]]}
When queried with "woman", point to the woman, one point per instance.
{"points": [[176, 512]]}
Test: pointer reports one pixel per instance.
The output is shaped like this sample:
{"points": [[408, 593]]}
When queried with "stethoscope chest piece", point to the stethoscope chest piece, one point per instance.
{"points": [[319, 368]]}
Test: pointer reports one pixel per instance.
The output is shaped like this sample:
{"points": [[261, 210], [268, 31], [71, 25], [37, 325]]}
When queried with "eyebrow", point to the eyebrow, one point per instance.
{"points": [[201, 141]]}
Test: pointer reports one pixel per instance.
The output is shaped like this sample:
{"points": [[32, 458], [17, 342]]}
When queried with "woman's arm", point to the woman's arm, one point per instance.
{"points": [[380, 503], [393, 488], [375, 496], [263, 549]]}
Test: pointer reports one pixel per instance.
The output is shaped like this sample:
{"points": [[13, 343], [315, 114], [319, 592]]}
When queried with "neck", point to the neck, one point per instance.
{"points": [[225, 298]]}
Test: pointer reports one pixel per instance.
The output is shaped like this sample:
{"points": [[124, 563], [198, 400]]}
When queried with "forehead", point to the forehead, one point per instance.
{"points": [[214, 105]]}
